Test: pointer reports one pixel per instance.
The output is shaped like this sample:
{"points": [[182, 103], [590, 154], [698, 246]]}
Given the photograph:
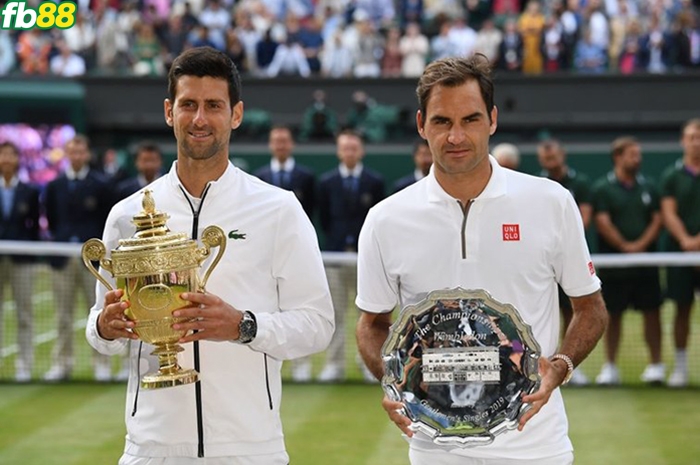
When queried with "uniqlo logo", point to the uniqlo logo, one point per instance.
{"points": [[591, 268], [511, 232]]}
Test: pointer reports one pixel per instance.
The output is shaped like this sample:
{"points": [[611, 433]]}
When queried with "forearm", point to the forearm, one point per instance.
{"points": [[371, 332], [588, 324]]}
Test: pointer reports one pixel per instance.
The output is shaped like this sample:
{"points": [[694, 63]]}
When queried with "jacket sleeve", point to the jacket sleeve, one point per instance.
{"points": [[110, 238], [304, 323]]}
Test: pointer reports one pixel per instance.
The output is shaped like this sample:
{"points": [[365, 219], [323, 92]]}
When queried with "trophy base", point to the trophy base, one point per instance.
{"points": [[160, 380]]}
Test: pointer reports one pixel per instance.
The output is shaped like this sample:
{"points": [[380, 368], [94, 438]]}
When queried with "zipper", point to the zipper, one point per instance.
{"points": [[465, 211], [197, 365], [138, 379], [267, 384]]}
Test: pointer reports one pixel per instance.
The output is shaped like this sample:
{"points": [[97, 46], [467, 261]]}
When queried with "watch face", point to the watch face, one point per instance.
{"points": [[248, 328]]}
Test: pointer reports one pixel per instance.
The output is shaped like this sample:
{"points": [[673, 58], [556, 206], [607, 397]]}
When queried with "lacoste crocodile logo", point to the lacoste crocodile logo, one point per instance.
{"points": [[236, 235]]}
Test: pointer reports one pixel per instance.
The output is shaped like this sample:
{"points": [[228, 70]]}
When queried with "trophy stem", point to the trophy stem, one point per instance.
{"points": [[169, 373]]}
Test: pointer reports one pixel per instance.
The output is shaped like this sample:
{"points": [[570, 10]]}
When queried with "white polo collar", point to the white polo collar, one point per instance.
{"points": [[496, 186]]}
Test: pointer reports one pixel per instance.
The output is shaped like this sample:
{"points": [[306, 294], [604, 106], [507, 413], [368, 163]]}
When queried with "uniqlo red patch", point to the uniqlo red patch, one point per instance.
{"points": [[511, 232], [591, 268]]}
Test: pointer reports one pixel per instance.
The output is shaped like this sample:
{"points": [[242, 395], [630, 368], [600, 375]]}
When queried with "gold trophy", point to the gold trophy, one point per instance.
{"points": [[153, 267]]}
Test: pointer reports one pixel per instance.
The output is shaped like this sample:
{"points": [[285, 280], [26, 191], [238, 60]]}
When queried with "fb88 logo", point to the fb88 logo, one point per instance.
{"points": [[16, 15]]}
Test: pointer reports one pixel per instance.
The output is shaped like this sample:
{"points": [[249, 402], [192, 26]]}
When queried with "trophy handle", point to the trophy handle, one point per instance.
{"points": [[213, 236], [94, 250]]}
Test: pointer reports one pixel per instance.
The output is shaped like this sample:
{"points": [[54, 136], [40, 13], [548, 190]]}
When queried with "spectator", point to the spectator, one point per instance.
{"points": [[337, 57], [147, 52], [67, 63], [289, 60], [680, 196], [441, 45], [265, 52], [216, 19], [628, 220], [422, 160], [655, 48], [391, 57], [82, 39], [236, 51], [552, 158], [319, 122], [381, 13], [410, 11], [531, 24], [597, 24], [507, 155], [33, 48], [589, 57], [19, 221], [571, 26], [149, 164], [462, 38], [553, 47], [7, 53], [368, 47], [414, 48], [76, 205], [510, 54], [488, 41], [346, 194], [249, 37], [175, 39], [311, 42]]}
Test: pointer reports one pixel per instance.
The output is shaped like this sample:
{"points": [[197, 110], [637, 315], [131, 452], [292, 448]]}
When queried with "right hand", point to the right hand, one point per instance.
{"points": [[112, 322], [394, 408]]}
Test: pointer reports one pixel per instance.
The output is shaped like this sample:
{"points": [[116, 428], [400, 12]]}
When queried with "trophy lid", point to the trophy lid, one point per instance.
{"points": [[151, 229]]}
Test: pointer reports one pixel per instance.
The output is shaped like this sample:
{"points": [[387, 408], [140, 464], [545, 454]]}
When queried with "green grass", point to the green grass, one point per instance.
{"points": [[82, 424]]}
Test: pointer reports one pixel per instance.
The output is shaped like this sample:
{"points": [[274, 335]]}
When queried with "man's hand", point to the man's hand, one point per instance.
{"points": [[552, 374], [112, 322], [394, 409], [211, 317]]}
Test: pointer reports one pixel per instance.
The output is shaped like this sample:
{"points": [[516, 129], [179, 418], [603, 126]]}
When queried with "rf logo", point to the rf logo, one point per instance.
{"points": [[16, 15]]}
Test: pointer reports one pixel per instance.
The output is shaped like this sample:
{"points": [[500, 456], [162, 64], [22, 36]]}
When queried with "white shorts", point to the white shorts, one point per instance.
{"points": [[438, 457], [280, 458]]}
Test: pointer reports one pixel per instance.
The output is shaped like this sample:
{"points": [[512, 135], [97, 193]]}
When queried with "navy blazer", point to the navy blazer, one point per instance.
{"points": [[404, 182], [342, 213], [302, 183], [77, 212], [23, 222]]}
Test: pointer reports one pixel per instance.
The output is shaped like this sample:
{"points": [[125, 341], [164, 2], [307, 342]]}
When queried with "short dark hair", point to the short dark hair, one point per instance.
{"points": [[205, 62], [453, 72], [351, 133], [11, 146], [621, 144], [147, 146], [418, 143], [695, 122]]}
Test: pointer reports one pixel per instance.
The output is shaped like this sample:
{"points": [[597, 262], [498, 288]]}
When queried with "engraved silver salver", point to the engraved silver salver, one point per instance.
{"points": [[461, 362]]}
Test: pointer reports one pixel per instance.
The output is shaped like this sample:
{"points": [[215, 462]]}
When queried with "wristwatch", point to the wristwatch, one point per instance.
{"points": [[247, 328], [569, 366]]}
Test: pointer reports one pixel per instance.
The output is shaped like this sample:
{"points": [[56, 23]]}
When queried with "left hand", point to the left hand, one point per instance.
{"points": [[552, 375], [214, 319]]}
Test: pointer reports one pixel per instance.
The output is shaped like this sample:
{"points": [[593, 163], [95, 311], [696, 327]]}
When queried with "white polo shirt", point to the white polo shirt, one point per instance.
{"points": [[519, 238]]}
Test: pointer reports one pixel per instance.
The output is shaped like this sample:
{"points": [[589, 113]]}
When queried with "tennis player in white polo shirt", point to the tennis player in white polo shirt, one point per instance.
{"points": [[475, 225]]}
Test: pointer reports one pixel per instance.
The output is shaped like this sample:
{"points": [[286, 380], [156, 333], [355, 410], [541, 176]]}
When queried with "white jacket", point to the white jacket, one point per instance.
{"points": [[276, 272]]}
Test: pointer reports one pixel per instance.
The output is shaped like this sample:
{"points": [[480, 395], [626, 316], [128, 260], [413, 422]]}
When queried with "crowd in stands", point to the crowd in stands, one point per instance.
{"points": [[363, 38]]}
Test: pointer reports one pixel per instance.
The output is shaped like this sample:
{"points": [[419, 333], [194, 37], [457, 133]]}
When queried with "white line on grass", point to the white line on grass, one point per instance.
{"points": [[42, 338]]}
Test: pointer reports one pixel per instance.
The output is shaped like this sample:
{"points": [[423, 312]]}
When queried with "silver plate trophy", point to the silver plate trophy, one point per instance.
{"points": [[460, 362]]}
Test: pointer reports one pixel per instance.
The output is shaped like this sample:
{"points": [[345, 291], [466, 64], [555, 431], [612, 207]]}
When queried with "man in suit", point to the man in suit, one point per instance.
{"points": [[148, 162], [422, 159], [19, 221], [346, 194], [285, 173], [76, 204]]}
